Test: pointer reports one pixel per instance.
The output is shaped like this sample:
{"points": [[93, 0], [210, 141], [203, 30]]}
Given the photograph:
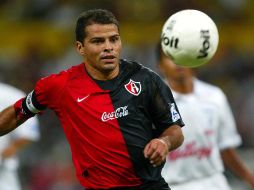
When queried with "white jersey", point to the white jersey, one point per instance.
{"points": [[29, 130], [209, 128]]}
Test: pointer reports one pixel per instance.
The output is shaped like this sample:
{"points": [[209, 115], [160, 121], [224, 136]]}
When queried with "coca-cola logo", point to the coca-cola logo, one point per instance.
{"points": [[119, 112]]}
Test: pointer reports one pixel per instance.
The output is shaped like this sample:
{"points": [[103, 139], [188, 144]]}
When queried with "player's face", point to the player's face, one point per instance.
{"points": [[174, 72], [101, 49]]}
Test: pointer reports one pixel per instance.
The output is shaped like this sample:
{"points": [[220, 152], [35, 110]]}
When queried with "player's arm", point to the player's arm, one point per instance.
{"points": [[157, 149], [234, 164], [167, 122], [47, 92], [15, 115], [9, 120], [228, 138]]}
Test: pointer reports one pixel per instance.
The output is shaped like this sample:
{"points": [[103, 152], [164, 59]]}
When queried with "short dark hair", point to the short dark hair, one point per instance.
{"points": [[93, 16]]}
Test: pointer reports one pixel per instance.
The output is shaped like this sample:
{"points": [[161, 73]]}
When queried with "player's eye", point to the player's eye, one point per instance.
{"points": [[114, 39], [97, 40]]}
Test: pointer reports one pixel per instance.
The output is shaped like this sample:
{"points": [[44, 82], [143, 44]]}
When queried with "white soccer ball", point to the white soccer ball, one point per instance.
{"points": [[190, 38]]}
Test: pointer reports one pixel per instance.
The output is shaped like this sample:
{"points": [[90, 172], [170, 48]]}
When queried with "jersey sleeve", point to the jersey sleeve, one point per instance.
{"points": [[163, 109], [48, 91], [227, 133], [46, 94]]}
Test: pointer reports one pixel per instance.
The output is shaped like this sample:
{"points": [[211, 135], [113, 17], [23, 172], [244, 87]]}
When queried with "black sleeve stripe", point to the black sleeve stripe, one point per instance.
{"points": [[30, 105], [36, 104], [25, 108]]}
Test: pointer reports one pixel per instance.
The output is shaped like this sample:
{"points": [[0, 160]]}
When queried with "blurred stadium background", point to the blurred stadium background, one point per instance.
{"points": [[37, 38]]}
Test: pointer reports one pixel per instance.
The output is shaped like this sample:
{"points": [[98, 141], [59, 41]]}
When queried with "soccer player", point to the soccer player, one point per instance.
{"points": [[119, 117], [210, 133], [15, 141]]}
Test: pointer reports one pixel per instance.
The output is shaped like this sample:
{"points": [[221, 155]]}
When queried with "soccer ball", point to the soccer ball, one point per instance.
{"points": [[190, 38]]}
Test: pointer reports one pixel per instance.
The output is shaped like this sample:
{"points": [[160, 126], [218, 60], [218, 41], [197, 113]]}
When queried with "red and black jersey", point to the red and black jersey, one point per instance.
{"points": [[108, 123]]}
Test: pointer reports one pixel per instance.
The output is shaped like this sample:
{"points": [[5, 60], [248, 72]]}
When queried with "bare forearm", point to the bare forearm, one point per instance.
{"points": [[234, 164], [173, 136], [8, 120], [157, 149]]}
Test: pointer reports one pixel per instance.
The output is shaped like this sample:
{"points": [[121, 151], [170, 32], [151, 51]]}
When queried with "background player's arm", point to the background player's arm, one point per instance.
{"points": [[234, 164], [157, 149], [9, 120], [228, 140], [14, 147]]}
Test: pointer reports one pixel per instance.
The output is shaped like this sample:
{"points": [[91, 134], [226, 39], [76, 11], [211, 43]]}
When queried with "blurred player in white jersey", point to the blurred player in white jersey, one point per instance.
{"points": [[210, 134], [15, 141]]}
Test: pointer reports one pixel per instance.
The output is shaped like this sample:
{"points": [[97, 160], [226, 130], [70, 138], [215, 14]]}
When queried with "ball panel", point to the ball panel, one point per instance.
{"points": [[190, 37]]}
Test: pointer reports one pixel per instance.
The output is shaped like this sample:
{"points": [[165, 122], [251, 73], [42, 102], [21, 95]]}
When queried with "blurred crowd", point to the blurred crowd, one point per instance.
{"points": [[37, 38]]}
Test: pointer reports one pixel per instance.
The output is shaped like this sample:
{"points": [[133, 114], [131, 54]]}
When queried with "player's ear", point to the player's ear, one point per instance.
{"points": [[80, 48]]}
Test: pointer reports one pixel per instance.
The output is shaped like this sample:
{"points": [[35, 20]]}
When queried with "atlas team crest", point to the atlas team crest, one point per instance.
{"points": [[133, 87]]}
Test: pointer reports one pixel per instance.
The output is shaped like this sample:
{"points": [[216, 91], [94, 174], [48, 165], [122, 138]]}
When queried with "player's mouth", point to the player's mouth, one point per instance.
{"points": [[108, 58]]}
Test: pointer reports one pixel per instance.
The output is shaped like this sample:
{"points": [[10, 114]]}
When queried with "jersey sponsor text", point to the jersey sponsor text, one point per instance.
{"points": [[119, 112], [189, 150]]}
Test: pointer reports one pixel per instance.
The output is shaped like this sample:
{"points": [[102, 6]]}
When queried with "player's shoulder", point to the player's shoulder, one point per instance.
{"points": [[136, 67], [210, 91], [129, 65], [63, 76], [60, 74]]}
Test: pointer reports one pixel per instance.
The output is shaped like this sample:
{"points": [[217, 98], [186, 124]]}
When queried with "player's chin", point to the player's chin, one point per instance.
{"points": [[109, 64]]}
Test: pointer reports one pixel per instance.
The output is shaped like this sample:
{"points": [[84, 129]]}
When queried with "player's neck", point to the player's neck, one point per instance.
{"points": [[103, 76], [184, 86]]}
